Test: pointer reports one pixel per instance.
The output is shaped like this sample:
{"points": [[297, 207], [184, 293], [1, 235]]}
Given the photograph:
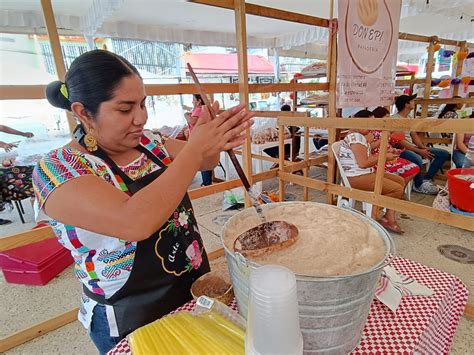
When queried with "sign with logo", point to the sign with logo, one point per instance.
{"points": [[367, 52]]}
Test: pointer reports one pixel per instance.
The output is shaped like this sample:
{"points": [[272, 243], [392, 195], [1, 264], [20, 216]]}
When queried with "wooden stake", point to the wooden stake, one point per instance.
{"points": [[380, 169], [306, 158], [331, 71], [24, 238], [241, 31], [56, 49], [37, 330], [459, 66], [281, 156], [429, 72]]}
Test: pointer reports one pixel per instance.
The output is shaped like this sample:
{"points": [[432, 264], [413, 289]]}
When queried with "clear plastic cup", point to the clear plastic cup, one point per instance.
{"points": [[273, 322]]}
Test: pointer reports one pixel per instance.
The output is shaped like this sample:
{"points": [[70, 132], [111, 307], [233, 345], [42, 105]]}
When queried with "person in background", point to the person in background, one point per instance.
{"points": [[461, 145], [273, 102], [401, 167], [358, 165], [9, 146], [449, 110], [116, 196], [13, 184], [273, 151], [192, 119], [415, 151]]}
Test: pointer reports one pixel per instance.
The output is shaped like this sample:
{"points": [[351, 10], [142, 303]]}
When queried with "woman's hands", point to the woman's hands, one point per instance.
{"points": [[227, 131], [8, 146]]}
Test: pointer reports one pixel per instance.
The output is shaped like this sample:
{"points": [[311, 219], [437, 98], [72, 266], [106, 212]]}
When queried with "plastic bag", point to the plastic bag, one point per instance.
{"points": [[441, 201], [266, 130], [233, 199]]}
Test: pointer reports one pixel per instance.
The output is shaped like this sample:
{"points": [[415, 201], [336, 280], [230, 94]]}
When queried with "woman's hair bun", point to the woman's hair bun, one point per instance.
{"points": [[55, 96]]}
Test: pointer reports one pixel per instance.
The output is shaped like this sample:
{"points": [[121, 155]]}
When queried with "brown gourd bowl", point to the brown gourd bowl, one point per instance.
{"points": [[213, 285]]}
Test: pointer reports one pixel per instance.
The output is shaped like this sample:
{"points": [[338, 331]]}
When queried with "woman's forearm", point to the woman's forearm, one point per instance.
{"points": [[10, 130]]}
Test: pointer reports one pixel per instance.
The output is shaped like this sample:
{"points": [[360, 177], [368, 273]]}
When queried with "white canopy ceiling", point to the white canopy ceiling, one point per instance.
{"points": [[184, 22]]}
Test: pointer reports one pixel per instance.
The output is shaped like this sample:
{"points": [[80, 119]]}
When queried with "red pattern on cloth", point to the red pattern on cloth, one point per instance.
{"points": [[421, 324], [401, 167]]}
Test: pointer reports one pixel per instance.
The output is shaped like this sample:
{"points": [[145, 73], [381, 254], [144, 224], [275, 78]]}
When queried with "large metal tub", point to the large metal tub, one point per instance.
{"points": [[333, 310]]}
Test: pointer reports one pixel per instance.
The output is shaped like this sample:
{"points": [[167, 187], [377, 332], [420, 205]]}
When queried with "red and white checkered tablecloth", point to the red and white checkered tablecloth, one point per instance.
{"points": [[421, 324]]}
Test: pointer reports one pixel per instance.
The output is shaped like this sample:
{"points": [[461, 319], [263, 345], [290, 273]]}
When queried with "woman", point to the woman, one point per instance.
{"points": [[15, 182], [358, 165], [449, 110], [116, 196], [401, 167], [461, 147]]}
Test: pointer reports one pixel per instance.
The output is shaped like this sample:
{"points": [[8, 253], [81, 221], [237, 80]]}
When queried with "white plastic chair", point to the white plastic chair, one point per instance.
{"points": [[367, 207]]}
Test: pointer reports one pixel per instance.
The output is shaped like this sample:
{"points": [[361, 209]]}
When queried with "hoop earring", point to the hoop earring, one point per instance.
{"points": [[90, 141]]}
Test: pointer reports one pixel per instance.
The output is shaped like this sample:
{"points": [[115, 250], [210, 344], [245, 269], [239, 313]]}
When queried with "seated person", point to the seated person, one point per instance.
{"points": [[273, 151], [415, 151], [401, 167], [461, 145], [358, 165]]}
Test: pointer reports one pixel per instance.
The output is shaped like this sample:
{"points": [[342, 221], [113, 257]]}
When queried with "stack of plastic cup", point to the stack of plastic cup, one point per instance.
{"points": [[273, 325]]}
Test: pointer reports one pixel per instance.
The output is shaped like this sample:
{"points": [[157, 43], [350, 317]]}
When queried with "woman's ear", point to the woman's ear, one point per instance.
{"points": [[80, 112]]}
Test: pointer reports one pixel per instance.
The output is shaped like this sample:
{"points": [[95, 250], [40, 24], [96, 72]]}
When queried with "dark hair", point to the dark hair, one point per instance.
{"points": [[364, 113], [380, 112], [449, 108], [199, 98], [285, 107], [91, 80]]}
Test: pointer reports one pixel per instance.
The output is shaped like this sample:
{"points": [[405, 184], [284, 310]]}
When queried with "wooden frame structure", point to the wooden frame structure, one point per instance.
{"points": [[284, 172]]}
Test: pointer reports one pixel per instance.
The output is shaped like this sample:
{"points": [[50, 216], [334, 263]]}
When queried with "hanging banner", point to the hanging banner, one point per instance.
{"points": [[367, 52]]}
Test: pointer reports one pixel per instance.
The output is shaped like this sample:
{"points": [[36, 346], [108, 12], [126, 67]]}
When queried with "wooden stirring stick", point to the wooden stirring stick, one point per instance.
{"points": [[230, 152]]}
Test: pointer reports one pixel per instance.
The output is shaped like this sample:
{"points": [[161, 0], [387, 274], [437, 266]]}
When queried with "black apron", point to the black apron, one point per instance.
{"points": [[165, 264]]}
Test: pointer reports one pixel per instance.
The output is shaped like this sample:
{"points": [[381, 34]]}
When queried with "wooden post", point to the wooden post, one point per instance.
{"points": [[331, 72], [429, 71], [56, 49], [380, 169], [306, 158], [241, 31], [281, 164], [459, 66], [27, 334]]}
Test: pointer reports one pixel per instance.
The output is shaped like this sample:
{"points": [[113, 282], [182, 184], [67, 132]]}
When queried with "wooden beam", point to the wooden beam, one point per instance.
{"points": [[428, 140], [56, 49], [227, 185], [380, 172], [32, 92], [268, 12], [22, 92], [332, 71], [37, 330], [459, 66], [241, 32], [466, 100], [429, 72], [295, 166], [427, 39], [415, 209], [24, 238], [407, 82], [216, 254], [281, 156], [276, 114], [306, 158], [434, 125]]}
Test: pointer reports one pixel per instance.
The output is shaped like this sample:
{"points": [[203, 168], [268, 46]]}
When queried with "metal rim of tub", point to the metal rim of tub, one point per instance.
{"points": [[385, 261]]}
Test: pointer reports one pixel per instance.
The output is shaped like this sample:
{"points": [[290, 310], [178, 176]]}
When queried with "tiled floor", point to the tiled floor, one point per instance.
{"points": [[21, 306]]}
